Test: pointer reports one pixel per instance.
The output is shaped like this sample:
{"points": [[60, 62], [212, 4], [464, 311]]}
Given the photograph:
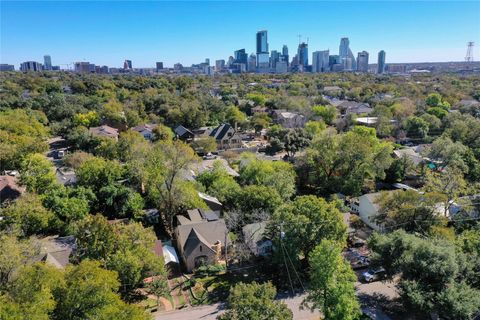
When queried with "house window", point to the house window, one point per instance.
{"points": [[200, 248]]}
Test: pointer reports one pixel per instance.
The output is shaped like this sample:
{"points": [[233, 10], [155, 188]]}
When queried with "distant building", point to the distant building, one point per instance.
{"points": [[362, 61], [84, 67], [285, 56], [219, 65], [334, 63], [31, 66], [252, 63], [184, 134], [396, 68], [274, 58], [302, 54], [381, 62], [101, 69], [178, 66], [7, 67], [127, 65], [263, 56], [320, 61], [47, 62], [240, 56], [346, 56], [281, 67], [159, 66]]}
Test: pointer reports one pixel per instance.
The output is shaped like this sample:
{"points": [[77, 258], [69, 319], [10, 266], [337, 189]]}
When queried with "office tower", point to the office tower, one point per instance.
{"points": [[346, 56], [381, 62], [7, 67], [101, 69], [127, 65], [240, 56], [231, 60], [262, 42], [31, 66], [84, 67], [47, 62], [281, 67], [207, 61], [362, 61], [252, 63], [274, 58], [303, 54], [219, 64], [320, 61], [263, 56], [159, 66], [178, 66], [284, 56]]}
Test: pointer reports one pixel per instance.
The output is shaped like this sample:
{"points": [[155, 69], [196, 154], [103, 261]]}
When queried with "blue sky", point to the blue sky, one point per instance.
{"points": [[107, 33]]}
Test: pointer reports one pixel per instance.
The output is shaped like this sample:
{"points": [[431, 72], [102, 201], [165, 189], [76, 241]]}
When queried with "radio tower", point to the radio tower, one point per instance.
{"points": [[469, 56]]}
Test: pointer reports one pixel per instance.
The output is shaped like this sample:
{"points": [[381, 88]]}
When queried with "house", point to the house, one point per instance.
{"points": [[56, 251], [201, 132], [201, 238], [412, 153], [255, 239], [184, 134], [226, 137], [146, 130], [211, 202], [167, 252], [104, 132], [288, 119], [9, 189], [352, 107], [367, 208]]}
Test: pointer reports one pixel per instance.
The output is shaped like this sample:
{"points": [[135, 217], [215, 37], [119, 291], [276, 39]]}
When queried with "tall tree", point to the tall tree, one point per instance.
{"points": [[255, 301], [332, 283]]}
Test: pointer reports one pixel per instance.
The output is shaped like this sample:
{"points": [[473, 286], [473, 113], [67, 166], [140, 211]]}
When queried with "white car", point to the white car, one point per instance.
{"points": [[373, 274]]}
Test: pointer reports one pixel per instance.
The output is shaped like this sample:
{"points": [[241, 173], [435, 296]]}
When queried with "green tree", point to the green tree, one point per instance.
{"points": [[344, 162], [416, 127], [88, 290], [234, 116], [431, 274], [328, 113], [276, 174], [314, 127], [89, 119], [162, 171], [254, 198], [255, 301], [332, 283], [34, 288], [159, 288], [260, 121], [408, 210], [28, 215], [37, 174], [303, 224], [205, 145], [14, 253]]}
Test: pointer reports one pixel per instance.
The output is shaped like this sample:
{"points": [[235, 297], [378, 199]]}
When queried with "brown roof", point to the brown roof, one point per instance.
{"points": [[208, 232], [9, 189], [104, 131]]}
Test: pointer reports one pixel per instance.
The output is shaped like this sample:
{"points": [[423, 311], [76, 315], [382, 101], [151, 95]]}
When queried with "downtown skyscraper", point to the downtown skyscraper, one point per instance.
{"points": [[346, 56], [362, 61], [320, 61], [381, 62], [263, 55]]}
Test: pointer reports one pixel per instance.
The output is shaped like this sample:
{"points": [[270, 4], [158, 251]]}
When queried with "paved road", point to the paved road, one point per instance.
{"points": [[210, 312]]}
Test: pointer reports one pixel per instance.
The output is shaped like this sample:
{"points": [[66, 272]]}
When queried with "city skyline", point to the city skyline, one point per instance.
{"points": [[105, 41]]}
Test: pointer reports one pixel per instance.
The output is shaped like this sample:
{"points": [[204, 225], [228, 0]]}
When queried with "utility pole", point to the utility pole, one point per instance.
{"points": [[469, 56]]}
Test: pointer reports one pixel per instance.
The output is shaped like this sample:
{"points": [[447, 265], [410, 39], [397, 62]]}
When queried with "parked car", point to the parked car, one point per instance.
{"points": [[374, 274], [362, 262], [209, 156]]}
